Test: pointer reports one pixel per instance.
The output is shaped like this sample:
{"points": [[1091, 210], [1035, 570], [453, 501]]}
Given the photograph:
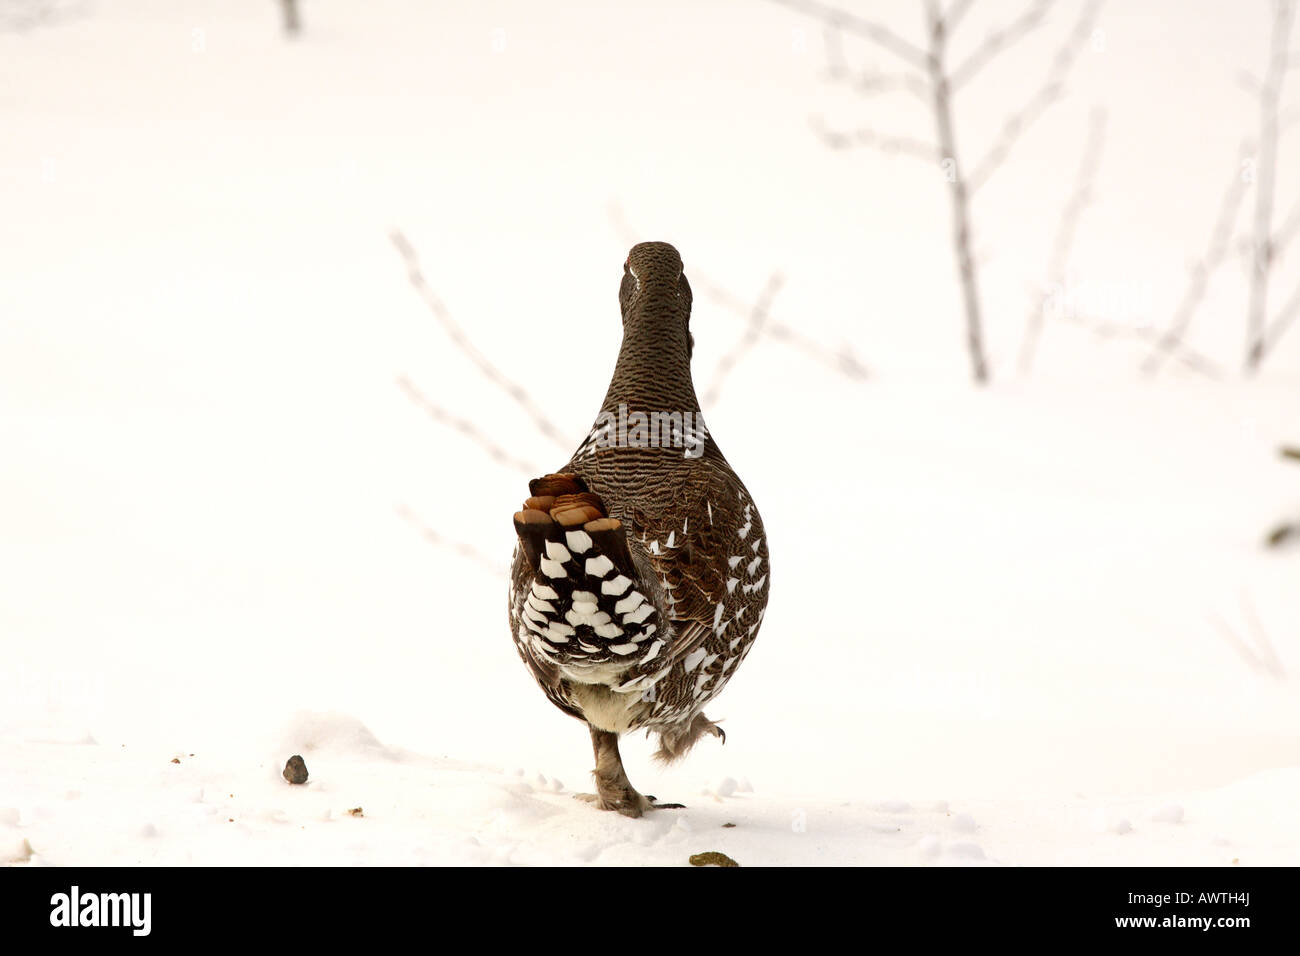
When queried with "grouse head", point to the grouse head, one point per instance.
{"points": [[655, 296]]}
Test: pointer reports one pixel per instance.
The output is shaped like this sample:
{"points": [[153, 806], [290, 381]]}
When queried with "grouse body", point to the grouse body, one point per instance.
{"points": [[641, 574]]}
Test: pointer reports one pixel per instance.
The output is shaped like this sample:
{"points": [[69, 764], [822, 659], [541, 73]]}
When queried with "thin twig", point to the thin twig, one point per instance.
{"points": [[462, 342], [1187, 357], [878, 34], [996, 42], [889, 145], [1288, 230], [875, 83], [1063, 242], [841, 360], [1284, 319], [1261, 638], [460, 547], [1015, 125], [871, 81], [1241, 647], [1202, 270], [465, 427], [953, 15], [758, 317]]}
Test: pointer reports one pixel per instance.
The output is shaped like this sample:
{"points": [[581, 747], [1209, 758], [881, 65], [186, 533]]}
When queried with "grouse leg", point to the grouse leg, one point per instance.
{"points": [[613, 790]]}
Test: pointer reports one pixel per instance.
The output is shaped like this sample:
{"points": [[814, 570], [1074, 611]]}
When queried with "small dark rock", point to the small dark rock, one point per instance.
{"points": [[712, 858], [295, 771]]}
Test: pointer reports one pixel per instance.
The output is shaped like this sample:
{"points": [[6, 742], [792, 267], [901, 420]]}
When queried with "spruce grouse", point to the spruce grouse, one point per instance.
{"points": [[641, 574]]}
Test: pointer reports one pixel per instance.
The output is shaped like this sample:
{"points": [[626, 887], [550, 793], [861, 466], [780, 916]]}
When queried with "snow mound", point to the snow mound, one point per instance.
{"points": [[330, 732]]}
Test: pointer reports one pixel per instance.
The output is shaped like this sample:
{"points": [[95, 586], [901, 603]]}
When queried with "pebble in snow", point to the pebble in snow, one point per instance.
{"points": [[295, 771]]}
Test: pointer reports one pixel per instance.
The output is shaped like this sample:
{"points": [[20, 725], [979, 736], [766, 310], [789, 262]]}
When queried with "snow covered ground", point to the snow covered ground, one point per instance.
{"points": [[1000, 620]]}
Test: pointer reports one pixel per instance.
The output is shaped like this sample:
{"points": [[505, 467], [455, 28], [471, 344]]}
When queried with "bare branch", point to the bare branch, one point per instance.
{"points": [[880, 35], [1063, 242], [889, 145], [292, 19], [462, 342], [1270, 96], [460, 547], [1203, 269], [998, 41], [876, 82], [1018, 122], [959, 196], [758, 317], [465, 427], [869, 82]]}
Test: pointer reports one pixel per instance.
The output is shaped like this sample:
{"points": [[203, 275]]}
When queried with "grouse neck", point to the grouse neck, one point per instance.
{"points": [[653, 372]]}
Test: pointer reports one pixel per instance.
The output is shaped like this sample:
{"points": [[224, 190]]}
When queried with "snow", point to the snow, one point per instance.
{"points": [[996, 630], [225, 809]]}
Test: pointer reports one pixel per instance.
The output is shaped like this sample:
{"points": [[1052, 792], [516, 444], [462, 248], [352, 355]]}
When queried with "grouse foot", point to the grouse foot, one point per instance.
{"points": [[632, 804], [613, 790]]}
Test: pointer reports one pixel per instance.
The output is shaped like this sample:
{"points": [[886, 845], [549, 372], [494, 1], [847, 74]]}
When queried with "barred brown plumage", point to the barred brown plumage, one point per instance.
{"points": [[641, 575]]}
